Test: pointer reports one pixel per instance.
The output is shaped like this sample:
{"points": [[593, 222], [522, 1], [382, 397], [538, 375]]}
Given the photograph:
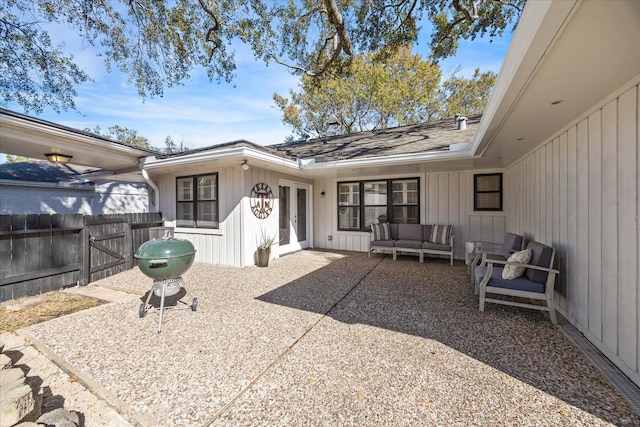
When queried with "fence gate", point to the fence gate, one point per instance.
{"points": [[109, 241]]}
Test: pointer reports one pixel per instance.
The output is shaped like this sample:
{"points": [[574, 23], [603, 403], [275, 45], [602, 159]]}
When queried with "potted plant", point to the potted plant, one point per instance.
{"points": [[264, 248]]}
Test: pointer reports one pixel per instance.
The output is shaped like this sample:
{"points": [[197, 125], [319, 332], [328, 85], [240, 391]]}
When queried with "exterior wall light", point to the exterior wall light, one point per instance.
{"points": [[245, 165], [58, 158]]}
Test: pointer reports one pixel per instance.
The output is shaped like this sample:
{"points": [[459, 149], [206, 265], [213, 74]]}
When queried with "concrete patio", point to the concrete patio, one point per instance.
{"points": [[324, 338]]}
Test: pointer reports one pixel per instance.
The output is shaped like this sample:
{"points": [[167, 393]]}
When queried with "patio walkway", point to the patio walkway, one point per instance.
{"points": [[336, 339]]}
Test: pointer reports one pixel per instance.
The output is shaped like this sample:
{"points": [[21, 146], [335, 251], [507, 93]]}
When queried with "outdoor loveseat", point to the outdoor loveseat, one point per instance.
{"points": [[413, 238]]}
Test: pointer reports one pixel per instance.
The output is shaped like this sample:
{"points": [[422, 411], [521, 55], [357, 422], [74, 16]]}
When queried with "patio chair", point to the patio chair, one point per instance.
{"points": [[511, 243], [537, 280]]}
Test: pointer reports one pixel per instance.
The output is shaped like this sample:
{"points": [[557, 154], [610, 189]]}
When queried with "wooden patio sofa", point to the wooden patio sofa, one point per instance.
{"points": [[421, 239]]}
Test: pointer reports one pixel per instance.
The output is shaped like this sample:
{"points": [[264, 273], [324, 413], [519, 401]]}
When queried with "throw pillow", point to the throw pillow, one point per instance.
{"points": [[512, 271], [381, 231], [440, 234]]}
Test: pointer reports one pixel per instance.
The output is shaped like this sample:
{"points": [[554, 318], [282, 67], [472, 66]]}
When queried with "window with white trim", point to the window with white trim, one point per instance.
{"points": [[197, 201]]}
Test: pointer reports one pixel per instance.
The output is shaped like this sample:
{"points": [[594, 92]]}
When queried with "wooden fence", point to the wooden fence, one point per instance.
{"points": [[41, 253]]}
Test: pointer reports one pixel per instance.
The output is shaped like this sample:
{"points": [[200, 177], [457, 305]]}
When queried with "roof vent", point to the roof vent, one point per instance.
{"points": [[461, 122]]}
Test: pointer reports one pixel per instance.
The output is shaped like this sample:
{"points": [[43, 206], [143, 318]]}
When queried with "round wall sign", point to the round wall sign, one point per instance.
{"points": [[261, 200]]}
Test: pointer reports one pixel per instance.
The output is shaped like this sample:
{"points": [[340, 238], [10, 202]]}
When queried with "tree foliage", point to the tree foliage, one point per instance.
{"points": [[124, 135], [458, 95], [158, 43], [16, 159], [371, 95], [173, 147]]}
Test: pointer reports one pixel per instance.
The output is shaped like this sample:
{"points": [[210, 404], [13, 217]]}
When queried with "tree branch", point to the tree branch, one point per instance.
{"points": [[465, 10], [336, 19], [212, 31]]}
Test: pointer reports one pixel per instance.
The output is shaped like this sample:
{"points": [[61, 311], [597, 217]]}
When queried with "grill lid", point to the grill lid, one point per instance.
{"points": [[165, 248]]}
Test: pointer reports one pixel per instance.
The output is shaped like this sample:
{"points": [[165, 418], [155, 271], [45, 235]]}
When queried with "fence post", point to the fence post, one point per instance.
{"points": [[86, 253], [128, 242]]}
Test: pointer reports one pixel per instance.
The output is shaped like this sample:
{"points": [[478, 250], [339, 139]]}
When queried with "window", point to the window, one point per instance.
{"points": [[487, 192], [197, 201], [362, 203]]}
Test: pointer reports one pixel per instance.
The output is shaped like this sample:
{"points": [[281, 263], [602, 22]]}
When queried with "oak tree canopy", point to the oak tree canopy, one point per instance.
{"points": [[158, 43]]}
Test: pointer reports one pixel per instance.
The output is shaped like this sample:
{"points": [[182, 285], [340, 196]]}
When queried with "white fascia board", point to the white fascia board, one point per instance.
{"points": [[399, 159], [236, 152], [538, 26], [80, 140]]}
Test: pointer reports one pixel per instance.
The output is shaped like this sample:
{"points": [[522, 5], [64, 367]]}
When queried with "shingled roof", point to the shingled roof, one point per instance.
{"points": [[420, 138], [240, 143], [42, 171]]}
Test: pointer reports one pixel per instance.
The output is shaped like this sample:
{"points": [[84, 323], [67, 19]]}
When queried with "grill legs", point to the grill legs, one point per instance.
{"points": [[166, 288]]}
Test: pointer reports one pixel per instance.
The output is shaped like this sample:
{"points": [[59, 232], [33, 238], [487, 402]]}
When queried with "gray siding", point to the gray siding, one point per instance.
{"points": [[104, 198], [580, 192]]}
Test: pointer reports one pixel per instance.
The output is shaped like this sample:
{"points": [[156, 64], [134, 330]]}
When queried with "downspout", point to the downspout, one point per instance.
{"points": [[153, 185]]}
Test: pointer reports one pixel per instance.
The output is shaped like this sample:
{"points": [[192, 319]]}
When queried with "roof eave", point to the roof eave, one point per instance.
{"points": [[236, 152], [536, 30]]}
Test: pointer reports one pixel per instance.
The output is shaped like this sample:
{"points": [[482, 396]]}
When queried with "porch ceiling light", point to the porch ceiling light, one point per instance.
{"points": [[58, 158], [245, 165]]}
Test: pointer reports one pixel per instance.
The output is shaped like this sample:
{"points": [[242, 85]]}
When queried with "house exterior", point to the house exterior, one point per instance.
{"points": [[554, 157], [41, 187]]}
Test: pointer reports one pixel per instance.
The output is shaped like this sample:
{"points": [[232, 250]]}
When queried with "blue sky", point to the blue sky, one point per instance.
{"points": [[203, 113]]}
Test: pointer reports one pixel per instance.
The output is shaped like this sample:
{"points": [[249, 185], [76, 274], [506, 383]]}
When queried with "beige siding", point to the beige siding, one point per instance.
{"points": [[579, 192], [446, 198]]}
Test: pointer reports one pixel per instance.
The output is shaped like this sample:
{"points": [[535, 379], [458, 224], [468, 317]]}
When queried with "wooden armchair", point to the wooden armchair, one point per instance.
{"points": [[536, 283], [511, 243]]}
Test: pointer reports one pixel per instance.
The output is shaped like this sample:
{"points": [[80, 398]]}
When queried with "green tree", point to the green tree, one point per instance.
{"points": [[171, 147], [16, 159], [466, 96], [157, 43], [124, 135], [372, 95]]}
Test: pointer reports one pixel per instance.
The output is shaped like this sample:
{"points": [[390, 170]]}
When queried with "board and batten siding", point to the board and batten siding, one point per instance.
{"points": [[235, 241], [580, 193], [445, 198]]}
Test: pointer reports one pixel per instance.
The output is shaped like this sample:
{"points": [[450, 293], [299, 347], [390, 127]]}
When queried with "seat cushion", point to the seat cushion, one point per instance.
{"points": [[521, 283], [394, 231], [541, 255], [381, 231], [383, 243], [426, 232], [435, 246], [440, 234], [510, 272], [512, 242], [408, 243], [410, 232]]}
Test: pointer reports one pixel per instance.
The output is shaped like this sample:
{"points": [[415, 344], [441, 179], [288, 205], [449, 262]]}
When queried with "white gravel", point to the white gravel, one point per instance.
{"points": [[321, 338]]}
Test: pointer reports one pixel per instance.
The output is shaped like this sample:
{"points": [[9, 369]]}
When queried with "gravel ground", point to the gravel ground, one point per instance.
{"points": [[324, 338]]}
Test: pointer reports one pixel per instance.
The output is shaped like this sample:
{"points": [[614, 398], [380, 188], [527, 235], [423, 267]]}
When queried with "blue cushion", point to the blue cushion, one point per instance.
{"points": [[393, 228], [541, 256], [520, 283], [512, 242], [435, 246], [409, 244], [410, 232], [383, 243], [426, 232]]}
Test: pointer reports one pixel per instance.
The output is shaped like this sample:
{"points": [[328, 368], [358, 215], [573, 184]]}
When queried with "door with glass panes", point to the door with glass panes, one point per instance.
{"points": [[293, 219]]}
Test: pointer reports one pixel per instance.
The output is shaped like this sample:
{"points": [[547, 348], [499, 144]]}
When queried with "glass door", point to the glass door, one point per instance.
{"points": [[294, 216]]}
